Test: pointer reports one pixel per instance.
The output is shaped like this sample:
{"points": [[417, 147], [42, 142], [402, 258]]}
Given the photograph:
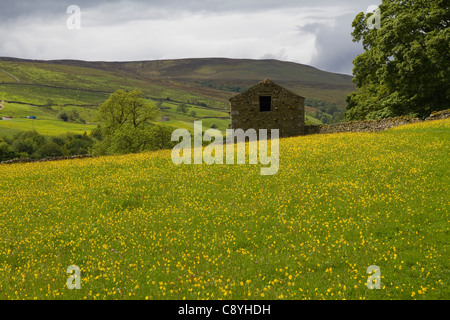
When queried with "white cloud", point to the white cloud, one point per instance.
{"points": [[138, 30], [248, 35]]}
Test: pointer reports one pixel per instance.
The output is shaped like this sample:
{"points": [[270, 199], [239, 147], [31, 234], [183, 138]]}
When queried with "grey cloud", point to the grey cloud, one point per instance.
{"points": [[312, 27], [335, 50], [11, 9], [334, 45]]}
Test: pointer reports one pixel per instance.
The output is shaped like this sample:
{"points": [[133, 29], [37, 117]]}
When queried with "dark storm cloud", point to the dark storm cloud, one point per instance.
{"points": [[334, 45], [335, 49]]}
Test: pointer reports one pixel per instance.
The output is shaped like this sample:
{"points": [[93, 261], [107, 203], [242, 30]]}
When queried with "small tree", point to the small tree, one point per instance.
{"points": [[6, 151], [160, 137], [28, 142], [76, 144], [50, 149], [182, 108], [63, 116]]}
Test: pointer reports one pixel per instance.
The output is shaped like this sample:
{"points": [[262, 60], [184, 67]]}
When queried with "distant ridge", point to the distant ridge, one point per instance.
{"points": [[179, 67]]}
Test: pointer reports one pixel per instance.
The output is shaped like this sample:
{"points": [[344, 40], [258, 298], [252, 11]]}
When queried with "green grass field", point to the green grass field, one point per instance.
{"points": [[22, 111], [140, 227], [7, 132], [44, 127]]}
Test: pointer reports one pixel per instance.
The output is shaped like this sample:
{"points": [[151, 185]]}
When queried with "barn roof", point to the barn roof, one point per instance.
{"points": [[265, 82]]}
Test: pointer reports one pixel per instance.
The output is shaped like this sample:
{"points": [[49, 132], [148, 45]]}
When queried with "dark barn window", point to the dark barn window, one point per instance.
{"points": [[265, 103]]}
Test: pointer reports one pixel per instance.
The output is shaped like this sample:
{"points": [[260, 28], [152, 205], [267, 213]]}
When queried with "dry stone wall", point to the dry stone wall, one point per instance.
{"points": [[25, 160], [371, 125]]}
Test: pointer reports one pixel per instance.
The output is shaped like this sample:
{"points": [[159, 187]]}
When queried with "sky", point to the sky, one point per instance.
{"points": [[316, 33]]}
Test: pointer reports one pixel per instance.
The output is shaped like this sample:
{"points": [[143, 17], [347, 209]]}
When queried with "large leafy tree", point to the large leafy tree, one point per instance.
{"points": [[405, 69], [126, 125], [127, 107]]}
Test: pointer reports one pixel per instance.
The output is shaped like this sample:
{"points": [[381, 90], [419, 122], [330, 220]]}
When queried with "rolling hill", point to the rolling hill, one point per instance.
{"points": [[44, 88]]}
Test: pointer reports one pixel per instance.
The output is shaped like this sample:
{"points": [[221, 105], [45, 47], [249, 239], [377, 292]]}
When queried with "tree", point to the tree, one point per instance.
{"points": [[75, 144], [126, 140], [404, 69], [6, 151], [126, 107], [126, 120], [63, 116], [182, 108], [50, 149], [28, 142], [160, 137]]}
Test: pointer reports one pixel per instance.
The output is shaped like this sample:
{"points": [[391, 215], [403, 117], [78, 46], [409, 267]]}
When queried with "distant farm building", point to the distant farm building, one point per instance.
{"points": [[31, 117], [268, 105]]}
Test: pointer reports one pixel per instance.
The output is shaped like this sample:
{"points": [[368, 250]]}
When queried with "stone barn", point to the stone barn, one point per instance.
{"points": [[268, 105]]}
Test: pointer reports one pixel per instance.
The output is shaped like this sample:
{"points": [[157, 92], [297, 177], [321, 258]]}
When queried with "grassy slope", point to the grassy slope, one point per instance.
{"points": [[140, 227], [7, 132], [90, 83], [45, 127], [301, 79]]}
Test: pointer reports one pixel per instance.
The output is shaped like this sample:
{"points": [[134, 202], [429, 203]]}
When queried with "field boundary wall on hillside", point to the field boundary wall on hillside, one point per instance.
{"points": [[372, 125]]}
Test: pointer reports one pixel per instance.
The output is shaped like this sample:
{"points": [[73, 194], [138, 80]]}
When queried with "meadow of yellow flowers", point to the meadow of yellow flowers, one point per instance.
{"points": [[140, 227]]}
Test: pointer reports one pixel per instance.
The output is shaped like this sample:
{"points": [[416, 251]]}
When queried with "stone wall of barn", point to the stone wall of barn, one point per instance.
{"points": [[287, 113]]}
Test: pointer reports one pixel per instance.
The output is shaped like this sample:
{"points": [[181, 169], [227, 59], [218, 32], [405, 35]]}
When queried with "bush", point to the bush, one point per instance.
{"points": [[160, 137], [7, 152], [50, 149], [133, 140], [33, 145], [71, 115], [77, 144], [182, 108], [63, 116], [28, 142]]}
